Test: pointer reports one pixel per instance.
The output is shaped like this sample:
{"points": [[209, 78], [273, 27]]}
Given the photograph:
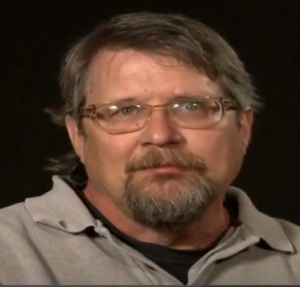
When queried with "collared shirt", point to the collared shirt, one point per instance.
{"points": [[176, 262], [54, 239]]}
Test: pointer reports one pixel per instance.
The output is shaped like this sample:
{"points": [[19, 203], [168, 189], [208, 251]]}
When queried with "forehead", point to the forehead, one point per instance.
{"points": [[115, 75]]}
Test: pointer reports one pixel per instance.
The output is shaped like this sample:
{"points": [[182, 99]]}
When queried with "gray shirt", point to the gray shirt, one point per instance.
{"points": [[44, 241]]}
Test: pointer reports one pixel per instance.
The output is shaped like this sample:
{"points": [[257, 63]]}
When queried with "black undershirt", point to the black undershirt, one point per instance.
{"points": [[175, 262]]}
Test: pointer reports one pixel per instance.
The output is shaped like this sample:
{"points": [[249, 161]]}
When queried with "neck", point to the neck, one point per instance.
{"points": [[197, 235]]}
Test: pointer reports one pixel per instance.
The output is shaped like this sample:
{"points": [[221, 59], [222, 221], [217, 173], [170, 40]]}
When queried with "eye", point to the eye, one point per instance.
{"points": [[189, 105], [192, 106], [123, 110], [127, 110]]}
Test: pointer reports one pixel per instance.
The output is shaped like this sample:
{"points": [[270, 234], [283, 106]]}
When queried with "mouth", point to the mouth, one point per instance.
{"points": [[168, 169]]}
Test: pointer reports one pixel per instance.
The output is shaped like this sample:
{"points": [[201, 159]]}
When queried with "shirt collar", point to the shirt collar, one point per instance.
{"points": [[62, 208], [267, 228]]}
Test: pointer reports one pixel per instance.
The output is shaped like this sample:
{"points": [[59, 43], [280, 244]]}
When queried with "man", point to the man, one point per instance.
{"points": [[159, 110]]}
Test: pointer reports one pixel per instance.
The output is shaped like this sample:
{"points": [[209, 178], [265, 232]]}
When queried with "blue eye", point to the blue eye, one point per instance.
{"points": [[121, 110], [189, 105], [128, 110], [192, 106]]}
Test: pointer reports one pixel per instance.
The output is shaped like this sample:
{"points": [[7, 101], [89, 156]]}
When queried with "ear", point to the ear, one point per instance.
{"points": [[246, 121], [77, 138]]}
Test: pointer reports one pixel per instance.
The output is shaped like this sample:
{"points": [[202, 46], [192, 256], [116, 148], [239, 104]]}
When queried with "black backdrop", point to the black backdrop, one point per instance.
{"points": [[36, 34]]}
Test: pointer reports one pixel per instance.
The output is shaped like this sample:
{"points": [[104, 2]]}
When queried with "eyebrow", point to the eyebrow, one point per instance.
{"points": [[172, 98]]}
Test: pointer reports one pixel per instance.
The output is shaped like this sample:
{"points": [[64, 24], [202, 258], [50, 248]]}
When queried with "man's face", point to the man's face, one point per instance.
{"points": [[161, 174]]}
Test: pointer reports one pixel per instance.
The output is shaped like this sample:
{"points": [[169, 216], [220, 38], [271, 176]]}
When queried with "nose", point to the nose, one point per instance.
{"points": [[160, 131]]}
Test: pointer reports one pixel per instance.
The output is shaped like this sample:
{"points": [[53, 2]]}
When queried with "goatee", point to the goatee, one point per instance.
{"points": [[167, 200]]}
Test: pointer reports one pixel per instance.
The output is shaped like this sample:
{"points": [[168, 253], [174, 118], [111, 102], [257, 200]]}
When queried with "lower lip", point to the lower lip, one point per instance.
{"points": [[165, 169]]}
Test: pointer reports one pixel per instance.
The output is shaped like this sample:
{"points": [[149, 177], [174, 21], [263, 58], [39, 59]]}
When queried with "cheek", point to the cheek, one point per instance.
{"points": [[222, 152], [105, 157]]}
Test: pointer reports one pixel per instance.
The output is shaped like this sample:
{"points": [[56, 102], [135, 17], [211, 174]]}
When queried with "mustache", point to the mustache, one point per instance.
{"points": [[156, 157]]}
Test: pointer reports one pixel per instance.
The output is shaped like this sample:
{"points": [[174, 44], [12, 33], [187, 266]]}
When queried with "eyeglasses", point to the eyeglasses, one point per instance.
{"points": [[130, 116]]}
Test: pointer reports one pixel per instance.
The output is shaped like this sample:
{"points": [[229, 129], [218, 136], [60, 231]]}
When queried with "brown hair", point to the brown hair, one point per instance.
{"points": [[178, 36]]}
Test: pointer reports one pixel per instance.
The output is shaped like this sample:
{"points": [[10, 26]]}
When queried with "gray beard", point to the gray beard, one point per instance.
{"points": [[168, 201]]}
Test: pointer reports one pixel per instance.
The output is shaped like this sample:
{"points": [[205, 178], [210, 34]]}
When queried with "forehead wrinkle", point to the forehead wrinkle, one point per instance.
{"points": [[106, 67], [100, 70], [114, 67]]}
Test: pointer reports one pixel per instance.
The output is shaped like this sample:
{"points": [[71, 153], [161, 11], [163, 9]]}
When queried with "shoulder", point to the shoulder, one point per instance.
{"points": [[280, 234], [16, 229], [14, 216], [16, 226], [58, 210]]}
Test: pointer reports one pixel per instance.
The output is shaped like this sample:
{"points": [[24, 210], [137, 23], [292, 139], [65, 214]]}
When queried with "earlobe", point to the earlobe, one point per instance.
{"points": [[76, 137]]}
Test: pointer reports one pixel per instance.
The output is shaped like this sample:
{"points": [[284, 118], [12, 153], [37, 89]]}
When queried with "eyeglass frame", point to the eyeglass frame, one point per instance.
{"points": [[225, 104]]}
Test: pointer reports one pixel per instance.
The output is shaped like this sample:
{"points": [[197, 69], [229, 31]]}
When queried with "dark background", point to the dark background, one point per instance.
{"points": [[36, 34]]}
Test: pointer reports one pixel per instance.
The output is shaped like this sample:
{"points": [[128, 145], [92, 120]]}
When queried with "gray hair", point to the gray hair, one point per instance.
{"points": [[178, 36]]}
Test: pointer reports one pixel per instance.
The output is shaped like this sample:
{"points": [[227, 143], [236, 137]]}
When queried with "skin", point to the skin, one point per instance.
{"points": [[154, 79]]}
